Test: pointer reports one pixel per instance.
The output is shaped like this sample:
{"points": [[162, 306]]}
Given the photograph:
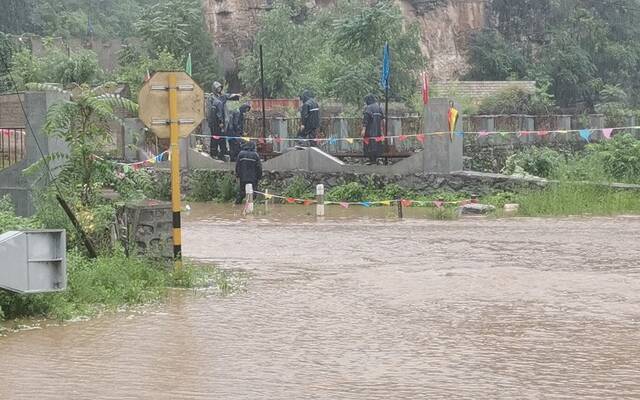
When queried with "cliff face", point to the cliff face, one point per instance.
{"points": [[445, 26]]}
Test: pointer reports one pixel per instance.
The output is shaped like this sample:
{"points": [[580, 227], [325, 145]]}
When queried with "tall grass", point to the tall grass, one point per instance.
{"points": [[567, 198], [108, 283]]}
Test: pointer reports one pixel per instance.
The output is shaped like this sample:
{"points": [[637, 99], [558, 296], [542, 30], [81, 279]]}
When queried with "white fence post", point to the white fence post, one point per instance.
{"points": [[248, 189], [320, 200]]}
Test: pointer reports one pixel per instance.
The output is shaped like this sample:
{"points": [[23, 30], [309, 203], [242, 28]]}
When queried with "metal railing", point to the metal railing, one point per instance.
{"points": [[12, 146]]}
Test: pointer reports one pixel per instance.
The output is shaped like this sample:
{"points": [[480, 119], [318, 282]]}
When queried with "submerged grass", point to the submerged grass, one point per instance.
{"points": [[110, 283]]}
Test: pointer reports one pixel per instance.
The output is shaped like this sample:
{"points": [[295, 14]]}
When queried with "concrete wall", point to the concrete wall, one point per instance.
{"points": [[11, 115], [12, 179]]}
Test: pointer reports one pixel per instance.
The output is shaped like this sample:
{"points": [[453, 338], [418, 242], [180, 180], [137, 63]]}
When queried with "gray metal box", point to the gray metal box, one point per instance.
{"points": [[33, 261]]}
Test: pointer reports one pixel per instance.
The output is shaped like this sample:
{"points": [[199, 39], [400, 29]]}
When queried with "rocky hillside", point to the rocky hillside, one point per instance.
{"points": [[445, 26]]}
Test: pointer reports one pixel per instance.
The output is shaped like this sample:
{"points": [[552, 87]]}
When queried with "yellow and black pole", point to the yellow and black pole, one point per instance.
{"points": [[175, 168]]}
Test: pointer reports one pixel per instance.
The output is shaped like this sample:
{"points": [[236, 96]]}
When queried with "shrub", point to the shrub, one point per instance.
{"points": [[620, 157], [536, 161], [299, 188], [516, 100], [352, 191]]}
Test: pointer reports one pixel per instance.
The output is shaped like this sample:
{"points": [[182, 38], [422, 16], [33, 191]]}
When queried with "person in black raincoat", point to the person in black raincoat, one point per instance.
{"points": [[248, 169], [236, 129], [309, 117], [372, 128], [217, 119]]}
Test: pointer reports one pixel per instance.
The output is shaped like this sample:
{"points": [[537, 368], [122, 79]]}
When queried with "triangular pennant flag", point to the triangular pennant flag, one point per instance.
{"points": [[403, 138], [308, 202], [246, 138], [291, 200], [380, 139], [523, 133], [333, 141], [386, 202], [136, 166], [350, 140], [406, 203], [278, 139], [344, 205], [438, 203], [585, 134], [420, 137], [268, 196], [261, 140], [505, 134], [607, 133], [460, 134], [366, 140], [543, 133], [317, 140], [216, 137], [365, 203], [483, 133]]}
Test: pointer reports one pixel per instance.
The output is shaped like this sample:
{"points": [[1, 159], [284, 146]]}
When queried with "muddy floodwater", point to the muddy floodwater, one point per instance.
{"points": [[363, 306]]}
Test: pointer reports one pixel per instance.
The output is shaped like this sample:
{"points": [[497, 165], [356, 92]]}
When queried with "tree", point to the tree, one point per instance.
{"points": [[56, 66], [178, 27], [82, 123], [579, 46], [337, 52]]}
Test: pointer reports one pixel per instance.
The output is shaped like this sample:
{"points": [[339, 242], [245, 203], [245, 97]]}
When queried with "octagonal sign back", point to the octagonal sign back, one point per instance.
{"points": [[153, 101]]}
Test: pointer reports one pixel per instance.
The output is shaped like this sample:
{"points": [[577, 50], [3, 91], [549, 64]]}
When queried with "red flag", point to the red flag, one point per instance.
{"points": [[403, 138], [523, 133], [406, 203], [425, 88], [483, 133], [261, 140], [366, 140], [291, 200], [278, 139], [420, 137], [308, 202], [607, 133], [438, 203], [215, 137], [380, 139], [344, 205], [543, 133]]}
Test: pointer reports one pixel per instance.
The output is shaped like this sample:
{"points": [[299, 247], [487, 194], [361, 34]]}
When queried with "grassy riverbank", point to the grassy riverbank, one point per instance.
{"points": [[109, 283]]}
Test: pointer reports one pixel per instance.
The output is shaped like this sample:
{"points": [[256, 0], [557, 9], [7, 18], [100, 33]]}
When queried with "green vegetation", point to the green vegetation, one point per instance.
{"points": [[336, 52], [158, 36], [518, 101], [109, 283], [106, 283], [581, 48]]}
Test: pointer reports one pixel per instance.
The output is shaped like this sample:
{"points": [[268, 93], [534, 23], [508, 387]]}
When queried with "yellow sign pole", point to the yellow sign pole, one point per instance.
{"points": [[175, 169]]}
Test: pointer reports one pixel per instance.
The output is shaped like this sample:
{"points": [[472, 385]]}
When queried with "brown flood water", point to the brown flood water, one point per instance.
{"points": [[365, 308]]}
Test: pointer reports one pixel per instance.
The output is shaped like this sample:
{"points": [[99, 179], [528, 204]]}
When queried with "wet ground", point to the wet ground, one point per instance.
{"points": [[366, 308]]}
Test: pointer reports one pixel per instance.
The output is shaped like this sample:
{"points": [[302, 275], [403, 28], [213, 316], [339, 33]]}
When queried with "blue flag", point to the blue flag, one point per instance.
{"points": [[386, 67], [585, 134]]}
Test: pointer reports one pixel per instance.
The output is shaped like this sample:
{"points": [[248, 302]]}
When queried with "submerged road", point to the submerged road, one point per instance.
{"points": [[366, 308]]}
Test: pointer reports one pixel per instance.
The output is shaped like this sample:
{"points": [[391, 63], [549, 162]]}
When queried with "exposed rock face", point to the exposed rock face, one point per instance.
{"points": [[445, 26]]}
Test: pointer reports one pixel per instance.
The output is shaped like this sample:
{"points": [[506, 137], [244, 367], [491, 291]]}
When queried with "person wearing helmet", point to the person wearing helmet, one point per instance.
{"points": [[216, 117], [372, 128], [248, 169], [309, 117], [235, 129]]}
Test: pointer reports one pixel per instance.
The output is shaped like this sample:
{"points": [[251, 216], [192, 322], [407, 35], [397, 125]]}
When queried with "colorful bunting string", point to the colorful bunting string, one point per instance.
{"points": [[585, 134], [346, 204]]}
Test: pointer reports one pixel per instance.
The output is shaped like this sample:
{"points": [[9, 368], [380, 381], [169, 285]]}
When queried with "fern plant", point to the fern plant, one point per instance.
{"points": [[82, 123]]}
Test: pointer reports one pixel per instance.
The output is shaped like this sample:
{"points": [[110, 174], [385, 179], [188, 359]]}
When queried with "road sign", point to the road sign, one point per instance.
{"points": [[153, 101]]}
